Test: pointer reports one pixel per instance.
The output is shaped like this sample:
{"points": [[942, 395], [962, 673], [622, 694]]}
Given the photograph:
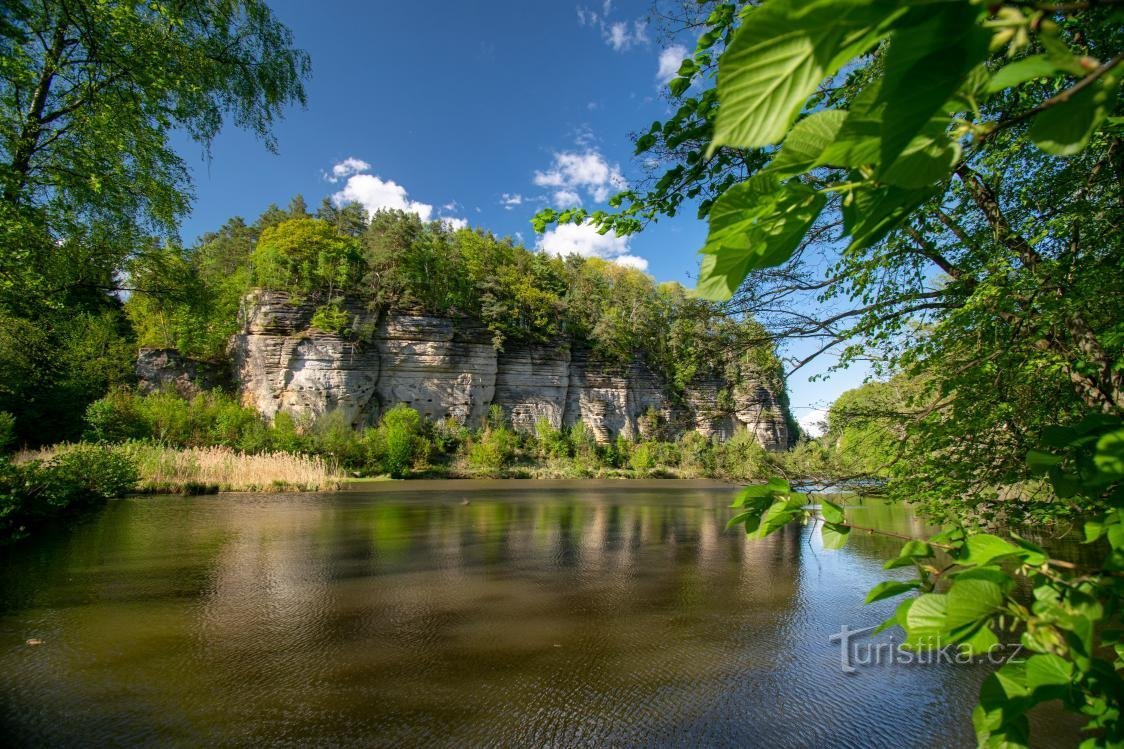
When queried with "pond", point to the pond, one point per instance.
{"points": [[459, 614]]}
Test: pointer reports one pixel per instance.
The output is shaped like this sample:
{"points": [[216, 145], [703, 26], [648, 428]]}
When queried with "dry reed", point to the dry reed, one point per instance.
{"points": [[198, 470]]}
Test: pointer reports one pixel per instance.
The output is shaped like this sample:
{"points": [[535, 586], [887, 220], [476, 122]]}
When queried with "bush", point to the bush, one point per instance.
{"points": [[74, 478], [492, 450], [331, 318], [643, 459], [7, 430], [550, 442], [115, 418], [741, 457], [333, 436], [401, 441]]}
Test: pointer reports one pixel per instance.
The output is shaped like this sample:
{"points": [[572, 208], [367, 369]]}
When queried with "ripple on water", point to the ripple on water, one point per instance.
{"points": [[605, 614]]}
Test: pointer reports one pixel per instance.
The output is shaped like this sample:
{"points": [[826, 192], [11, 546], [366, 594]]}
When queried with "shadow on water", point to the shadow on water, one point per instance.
{"points": [[537, 613]]}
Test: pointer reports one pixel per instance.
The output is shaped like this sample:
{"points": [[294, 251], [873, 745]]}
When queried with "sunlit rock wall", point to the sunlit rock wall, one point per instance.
{"points": [[449, 368]]}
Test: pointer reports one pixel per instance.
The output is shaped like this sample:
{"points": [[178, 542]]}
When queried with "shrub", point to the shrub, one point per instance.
{"points": [[73, 478], [115, 418], [331, 318], [550, 442], [642, 460], [7, 430], [332, 435], [492, 450], [741, 457], [401, 443]]}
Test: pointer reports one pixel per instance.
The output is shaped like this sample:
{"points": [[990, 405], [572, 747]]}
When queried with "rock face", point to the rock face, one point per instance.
{"points": [[446, 368], [159, 368]]}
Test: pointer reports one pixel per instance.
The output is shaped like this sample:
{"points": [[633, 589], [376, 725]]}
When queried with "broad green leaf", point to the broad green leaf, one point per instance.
{"points": [[877, 211], [984, 547], [832, 512], [970, 601], [1021, 71], [1094, 529], [755, 224], [781, 53], [806, 143], [925, 622], [1047, 669], [835, 535], [928, 158], [910, 551], [926, 64], [1037, 555], [738, 519], [1065, 129], [890, 588], [1109, 457], [899, 617], [979, 643]]}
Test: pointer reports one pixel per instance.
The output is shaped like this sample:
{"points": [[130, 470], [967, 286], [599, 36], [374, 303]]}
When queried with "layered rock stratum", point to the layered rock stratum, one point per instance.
{"points": [[449, 368]]}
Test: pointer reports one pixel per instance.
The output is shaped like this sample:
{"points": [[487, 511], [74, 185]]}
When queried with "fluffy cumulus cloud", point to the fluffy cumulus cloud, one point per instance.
{"points": [[510, 200], [573, 173], [812, 422], [374, 193], [347, 167], [585, 240], [670, 60]]}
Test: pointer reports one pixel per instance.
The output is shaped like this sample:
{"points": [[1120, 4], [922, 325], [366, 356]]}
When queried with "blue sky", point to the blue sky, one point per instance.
{"points": [[477, 112]]}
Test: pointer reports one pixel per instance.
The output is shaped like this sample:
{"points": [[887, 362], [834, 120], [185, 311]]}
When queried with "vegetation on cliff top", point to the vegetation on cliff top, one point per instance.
{"points": [[337, 258]]}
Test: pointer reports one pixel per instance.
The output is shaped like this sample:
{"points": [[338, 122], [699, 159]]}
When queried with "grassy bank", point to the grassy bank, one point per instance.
{"points": [[198, 470]]}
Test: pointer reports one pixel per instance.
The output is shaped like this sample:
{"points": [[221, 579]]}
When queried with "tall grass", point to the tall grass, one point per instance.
{"points": [[197, 470]]}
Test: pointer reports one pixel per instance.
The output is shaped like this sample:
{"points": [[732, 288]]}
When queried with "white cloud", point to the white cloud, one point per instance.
{"points": [[585, 240], [453, 223], [632, 261], [813, 421], [346, 168], [670, 60], [374, 194], [573, 172], [566, 198], [510, 200], [620, 35]]}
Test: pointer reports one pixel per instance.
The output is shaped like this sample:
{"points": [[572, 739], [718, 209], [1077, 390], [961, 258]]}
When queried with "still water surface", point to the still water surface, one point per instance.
{"points": [[537, 614]]}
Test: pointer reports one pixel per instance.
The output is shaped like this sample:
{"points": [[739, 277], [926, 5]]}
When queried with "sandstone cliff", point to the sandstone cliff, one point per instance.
{"points": [[449, 368]]}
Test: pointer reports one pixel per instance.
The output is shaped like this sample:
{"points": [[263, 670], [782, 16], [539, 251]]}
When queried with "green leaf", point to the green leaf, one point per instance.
{"points": [[925, 622], [781, 53], [877, 211], [835, 535], [806, 143], [832, 512], [1065, 129], [740, 518], [911, 551], [890, 588], [970, 601], [984, 547], [1109, 457], [1021, 71], [1047, 669], [754, 224], [979, 643], [926, 64]]}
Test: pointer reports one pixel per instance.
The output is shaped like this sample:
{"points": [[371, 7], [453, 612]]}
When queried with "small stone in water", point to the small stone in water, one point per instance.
{"points": [[33, 642]]}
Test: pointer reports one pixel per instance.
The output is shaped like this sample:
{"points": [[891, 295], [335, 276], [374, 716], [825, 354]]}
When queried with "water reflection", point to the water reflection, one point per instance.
{"points": [[533, 615]]}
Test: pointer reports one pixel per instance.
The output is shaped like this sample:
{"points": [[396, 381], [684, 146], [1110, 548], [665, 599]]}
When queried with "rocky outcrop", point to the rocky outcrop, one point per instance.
{"points": [[161, 368], [440, 368], [281, 364], [532, 383], [448, 368]]}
